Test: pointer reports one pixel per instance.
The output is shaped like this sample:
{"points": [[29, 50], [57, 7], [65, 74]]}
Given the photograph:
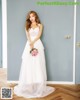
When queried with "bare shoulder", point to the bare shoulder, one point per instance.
{"points": [[40, 25], [26, 30]]}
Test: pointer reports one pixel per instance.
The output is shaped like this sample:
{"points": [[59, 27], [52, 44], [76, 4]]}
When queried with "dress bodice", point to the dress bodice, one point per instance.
{"points": [[34, 32]]}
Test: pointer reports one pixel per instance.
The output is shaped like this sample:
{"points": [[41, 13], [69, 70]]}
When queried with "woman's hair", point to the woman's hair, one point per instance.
{"points": [[28, 22]]}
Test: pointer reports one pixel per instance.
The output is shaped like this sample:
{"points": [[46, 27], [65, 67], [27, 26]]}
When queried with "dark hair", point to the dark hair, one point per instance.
{"points": [[28, 22]]}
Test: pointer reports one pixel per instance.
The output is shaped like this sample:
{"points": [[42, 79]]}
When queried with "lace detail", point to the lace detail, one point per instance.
{"points": [[34, 32]]}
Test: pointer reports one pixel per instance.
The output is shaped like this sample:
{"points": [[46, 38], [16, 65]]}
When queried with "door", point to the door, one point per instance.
{"points": [[57, 38], [0, 36]]}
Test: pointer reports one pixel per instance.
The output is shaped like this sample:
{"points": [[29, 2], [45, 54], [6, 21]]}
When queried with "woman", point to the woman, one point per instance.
{"points": [[33, 76]]}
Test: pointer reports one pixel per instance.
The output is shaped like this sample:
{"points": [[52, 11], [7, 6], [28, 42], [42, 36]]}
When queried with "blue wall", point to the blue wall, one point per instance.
{"points": [[58, 22]]}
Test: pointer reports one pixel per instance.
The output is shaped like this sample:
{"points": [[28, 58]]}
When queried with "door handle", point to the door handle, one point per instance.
{"points": [[67, 36], [78, 44]]}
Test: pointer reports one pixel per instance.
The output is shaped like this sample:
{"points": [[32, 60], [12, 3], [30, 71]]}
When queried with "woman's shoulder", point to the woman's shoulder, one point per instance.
{"points": [[26, 30], [40, 25]]}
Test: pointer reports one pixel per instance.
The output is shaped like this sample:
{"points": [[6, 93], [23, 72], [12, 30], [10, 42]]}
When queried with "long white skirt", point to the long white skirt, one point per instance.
{"points": [[33, 75]]}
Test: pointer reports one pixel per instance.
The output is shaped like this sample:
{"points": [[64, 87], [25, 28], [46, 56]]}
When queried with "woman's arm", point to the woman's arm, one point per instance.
{"points": [[39, 34], [28, 35], [29, 39]]}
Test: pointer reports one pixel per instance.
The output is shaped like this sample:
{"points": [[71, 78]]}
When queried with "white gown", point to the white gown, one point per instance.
{"points": [[33, 76]]}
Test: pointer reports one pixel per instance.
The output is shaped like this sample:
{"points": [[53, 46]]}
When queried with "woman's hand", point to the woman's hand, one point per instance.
{"points": [[31, 45]]}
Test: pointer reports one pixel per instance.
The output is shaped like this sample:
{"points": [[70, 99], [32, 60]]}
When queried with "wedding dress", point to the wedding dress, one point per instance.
{"points": [[33, 75]]}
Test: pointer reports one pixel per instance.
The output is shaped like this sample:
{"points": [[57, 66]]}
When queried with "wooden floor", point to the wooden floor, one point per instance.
{"points": [[63, 92]]}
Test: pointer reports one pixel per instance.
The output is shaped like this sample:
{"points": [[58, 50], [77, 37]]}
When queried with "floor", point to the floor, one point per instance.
{"points": [[63, 92]]}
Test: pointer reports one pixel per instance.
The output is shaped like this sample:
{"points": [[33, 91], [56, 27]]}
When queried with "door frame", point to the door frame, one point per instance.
{"points": [[1, 34], [4, 33], [4, 43]]}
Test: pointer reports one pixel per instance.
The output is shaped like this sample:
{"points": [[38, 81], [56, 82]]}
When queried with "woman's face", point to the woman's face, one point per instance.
{"points": [[32, 17]]}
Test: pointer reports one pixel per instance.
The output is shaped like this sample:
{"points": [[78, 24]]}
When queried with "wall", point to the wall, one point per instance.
{"points": [[58, 50]]}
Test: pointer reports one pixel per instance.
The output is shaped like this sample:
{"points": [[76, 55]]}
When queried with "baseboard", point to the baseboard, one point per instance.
{"points": [[48, 82]]}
